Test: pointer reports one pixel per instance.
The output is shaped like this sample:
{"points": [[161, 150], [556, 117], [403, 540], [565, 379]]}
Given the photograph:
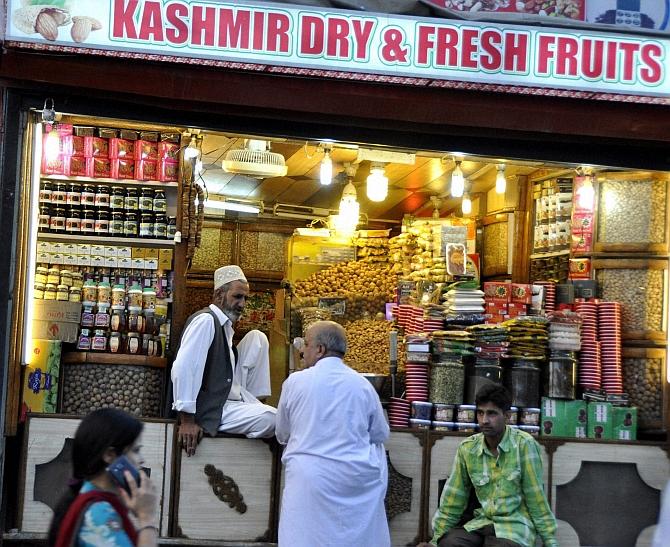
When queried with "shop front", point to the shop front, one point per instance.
{"points": [[114, 232]]}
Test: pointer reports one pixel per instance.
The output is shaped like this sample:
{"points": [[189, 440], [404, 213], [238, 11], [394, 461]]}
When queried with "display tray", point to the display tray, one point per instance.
{"points": [[128, 241], [92, 357], [118, 182]]}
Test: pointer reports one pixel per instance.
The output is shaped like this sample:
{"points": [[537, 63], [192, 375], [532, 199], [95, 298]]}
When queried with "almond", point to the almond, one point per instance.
{"points": [[61, 17], [95, 24], [47, 26], [81, 28]]}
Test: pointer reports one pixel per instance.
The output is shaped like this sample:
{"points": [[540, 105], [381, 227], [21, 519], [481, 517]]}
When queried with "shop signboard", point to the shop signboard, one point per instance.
{"points": [[273, 37]]}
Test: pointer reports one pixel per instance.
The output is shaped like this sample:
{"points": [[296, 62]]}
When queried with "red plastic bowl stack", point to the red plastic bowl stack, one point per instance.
{"points": [[609, 333], [416, 381], [398, 412], [549, 295], [404, 315], [590, 371]]}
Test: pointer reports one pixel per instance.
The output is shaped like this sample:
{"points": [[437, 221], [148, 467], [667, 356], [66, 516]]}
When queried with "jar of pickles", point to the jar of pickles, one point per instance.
{"points": [[50, 291], [38, 292], [66, 277], [41, 275], [53, 277], [146, 202], [88, 196], [74, 294]]}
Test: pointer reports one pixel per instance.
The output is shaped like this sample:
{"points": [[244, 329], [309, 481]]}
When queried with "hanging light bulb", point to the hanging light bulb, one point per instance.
{"points": [[457, 181], [326, 174], [501, 181], [51, 143], [466, 205], [377, 184], [347, 220], [586, 193], [191, 152]]}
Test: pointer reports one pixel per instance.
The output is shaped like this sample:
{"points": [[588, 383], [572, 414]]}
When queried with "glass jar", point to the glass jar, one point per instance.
{"points": [[102, 197], [66, 278], [44, 218], [480, 376], [50, 291], [161, 309], [155, 348], [87, 225], [90, 292], [41, 275], [84, 341], [88, 196], [561, 377], [171, 227], [118, 296], [102, 222], [146, 340], [59, 194], [73, 194], [149, 298], [160, 227], [135, 297], [104, 296], [116, 343], [99, 341], [160, 203], [146, 204], [77, 279], [53, 277], [45, 192], [118, 319], [87, 315], [116, 224], [134, 346], [38, 292], [57, 220], [117, 198], [147, 225], [150, 323], [74, 294], [131, 201], [447, 381], [523, 383], [135, 320], [73, 221], [102, 317], [130, 224]]}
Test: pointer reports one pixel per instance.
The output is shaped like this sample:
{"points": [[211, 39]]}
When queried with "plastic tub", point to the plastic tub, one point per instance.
{"points": [[480, 376], [529, 416], [443, 426], [534, 430], [512, 416], [443, 413], [422, 410], [464, 427], [523, 382], [419, 424], [466, 414]]}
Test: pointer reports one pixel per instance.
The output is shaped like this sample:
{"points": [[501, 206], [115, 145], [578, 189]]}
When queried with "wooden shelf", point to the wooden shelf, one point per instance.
{"points": [[551, 254], [116, 182], [81, 357], [125, 241]]}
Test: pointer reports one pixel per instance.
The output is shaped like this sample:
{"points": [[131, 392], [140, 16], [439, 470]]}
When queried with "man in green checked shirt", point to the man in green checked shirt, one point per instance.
{"points": [[504, 466]]}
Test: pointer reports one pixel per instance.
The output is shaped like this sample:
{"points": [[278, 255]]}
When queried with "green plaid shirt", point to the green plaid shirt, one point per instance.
{"points": [[509, 489]]}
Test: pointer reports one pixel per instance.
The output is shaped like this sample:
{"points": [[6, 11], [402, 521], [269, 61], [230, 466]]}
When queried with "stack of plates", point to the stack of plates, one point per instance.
{"points": [[416, 381], [404, 315], [609, 333], [589, 313], [549, 295], [465, 301], [398, 412], [590, 373], [416, 325]]}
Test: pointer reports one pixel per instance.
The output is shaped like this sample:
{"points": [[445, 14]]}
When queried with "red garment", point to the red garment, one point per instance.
{"points": [[75, 514]]}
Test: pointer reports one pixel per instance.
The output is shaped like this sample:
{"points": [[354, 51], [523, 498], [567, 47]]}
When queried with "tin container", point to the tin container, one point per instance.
{"points": [[529, 416]]}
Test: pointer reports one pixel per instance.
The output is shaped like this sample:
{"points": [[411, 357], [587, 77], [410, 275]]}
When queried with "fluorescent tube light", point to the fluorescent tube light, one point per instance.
{"points": [[232, 206]]}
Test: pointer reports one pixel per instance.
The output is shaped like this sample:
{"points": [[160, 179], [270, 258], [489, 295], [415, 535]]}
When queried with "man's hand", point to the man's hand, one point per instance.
{"points": [[189, 433]]}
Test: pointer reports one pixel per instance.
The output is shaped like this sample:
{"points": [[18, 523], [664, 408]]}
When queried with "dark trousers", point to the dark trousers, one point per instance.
{"points": [[486, 537]]}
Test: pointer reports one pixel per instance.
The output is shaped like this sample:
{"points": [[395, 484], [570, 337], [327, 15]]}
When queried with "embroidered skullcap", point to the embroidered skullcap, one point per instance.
{"points": [[226, 274]]}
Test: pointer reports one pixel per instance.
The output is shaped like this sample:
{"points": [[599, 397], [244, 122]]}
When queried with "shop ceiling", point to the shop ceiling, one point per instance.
{"points": [[411, 186]]}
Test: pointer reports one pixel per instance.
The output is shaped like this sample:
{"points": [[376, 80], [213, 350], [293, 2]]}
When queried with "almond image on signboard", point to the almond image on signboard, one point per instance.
{"points": [[41, 19], [82, 27]]}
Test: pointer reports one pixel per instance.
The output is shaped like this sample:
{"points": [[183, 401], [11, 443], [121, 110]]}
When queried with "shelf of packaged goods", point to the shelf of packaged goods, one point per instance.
{"points": [[91, 357], [116, 182], [551, 254], [125, 241]]}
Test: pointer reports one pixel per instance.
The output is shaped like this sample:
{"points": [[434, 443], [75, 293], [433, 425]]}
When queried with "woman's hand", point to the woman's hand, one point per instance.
{"points": [[143, 500]]}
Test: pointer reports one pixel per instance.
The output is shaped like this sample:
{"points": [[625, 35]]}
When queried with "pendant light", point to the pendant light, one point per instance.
{"points": [[191, 152], [377, 184], [326, 173], [457, 181], [466, 204], [347, 220], [501, 181]]}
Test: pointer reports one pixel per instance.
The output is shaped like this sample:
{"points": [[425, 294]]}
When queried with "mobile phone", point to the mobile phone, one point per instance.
{"points": [[116, 470]]}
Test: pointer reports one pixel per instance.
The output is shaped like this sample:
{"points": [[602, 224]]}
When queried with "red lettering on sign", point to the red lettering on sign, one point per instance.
{"points": [[123, 17], [545, 53], [516, 52], [338, 38], [566, 56], [424, 44], [362, 34], [278, 27], [612, 65], [651, 56], [177, 15], [470, 39], [152, 22], [592, 58], [447, 44], [234, 28], [629, 50], [490, 58], [202, 26], [311, 35]]}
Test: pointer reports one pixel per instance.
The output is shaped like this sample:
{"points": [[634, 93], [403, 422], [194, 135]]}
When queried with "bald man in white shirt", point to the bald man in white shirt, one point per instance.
{"points": [[215, 386]]}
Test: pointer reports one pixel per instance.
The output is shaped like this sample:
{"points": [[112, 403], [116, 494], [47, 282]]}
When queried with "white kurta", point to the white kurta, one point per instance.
{"points": [[242, 413], [333, 425]]}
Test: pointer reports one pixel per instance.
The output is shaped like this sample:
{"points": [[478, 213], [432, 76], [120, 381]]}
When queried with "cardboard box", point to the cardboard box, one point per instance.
{"points": [[624, 423], [138, 263], [138, 252], [83, 248], [97, 250], [43, 247], [562, 418], [70, 249], [70, 260], [125, 263], [43, 258], [151, 264], [55, 320], [83, 260], [600, 421], [98, 261], [585, 288], [110, 250], [497, 292], [40, 378], [165, 259], [151, 252], [56, 258], [124, 252], [111, 262], [522, 293]]}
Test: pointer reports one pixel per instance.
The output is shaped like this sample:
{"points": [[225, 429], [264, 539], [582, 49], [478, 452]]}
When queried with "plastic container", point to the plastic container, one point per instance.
{"points": [[480, 376], [512, 416], [443, 426], [529, 416], [89, 292], [446, 383], [419, 424], [135, 297], [149, 299], [443, 413], [561, 376], [118, 296], [523, 382], [421, 410], [465, 427], [104, 294], [466, 414], [534, 430]]}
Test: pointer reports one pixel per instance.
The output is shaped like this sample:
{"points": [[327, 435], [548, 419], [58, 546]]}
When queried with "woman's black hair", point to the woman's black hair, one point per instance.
{"points": [[98, 431]]}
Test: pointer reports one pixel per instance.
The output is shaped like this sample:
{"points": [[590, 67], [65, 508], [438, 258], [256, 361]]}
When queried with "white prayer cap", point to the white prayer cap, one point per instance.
{"points": [[226, 274]]}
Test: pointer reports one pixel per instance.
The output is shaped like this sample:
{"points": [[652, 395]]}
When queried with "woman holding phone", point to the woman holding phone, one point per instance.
{"points": [[106, 486]]}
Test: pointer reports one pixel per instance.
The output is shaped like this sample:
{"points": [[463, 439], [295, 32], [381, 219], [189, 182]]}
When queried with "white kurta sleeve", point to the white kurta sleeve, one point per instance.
{"points": [[378, 426], [189, 365], [254, 359], [283, 423]]}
